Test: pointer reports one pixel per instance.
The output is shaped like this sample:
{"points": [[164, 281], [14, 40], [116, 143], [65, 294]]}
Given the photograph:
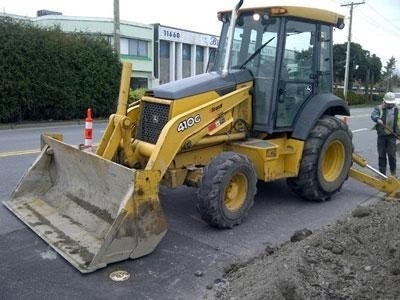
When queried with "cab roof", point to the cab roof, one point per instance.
{"points": [[306, 12]]}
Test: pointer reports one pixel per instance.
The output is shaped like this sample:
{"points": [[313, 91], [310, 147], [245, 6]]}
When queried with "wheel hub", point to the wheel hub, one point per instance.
{"points": [[235, 193], [333, 161]]}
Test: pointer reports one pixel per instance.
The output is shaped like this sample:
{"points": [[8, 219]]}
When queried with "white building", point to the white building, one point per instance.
{"points": [[158, 54], [181, 53]]}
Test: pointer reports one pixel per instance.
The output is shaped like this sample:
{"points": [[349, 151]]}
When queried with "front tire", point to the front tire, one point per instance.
{"points": [[227, 191], [326, 160]]}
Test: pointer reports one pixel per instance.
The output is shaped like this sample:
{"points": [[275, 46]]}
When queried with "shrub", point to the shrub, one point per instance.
{"points": [[358, 99], [135, 95], [49, 74]]}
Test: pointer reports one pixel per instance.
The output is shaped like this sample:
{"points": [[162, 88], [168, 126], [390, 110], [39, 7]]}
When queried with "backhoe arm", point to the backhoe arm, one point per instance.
{"points": [[387, 184]]}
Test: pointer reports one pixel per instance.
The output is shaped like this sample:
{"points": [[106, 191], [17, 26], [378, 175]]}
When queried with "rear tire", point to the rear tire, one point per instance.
{"points": [[326, 160], [227, 191]]}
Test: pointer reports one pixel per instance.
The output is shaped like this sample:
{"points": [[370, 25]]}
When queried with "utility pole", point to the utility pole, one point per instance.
{"points": [[116, 27], [346, 74]]}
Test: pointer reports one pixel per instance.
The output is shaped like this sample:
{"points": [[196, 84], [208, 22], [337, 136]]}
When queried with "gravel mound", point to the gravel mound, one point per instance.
{"points": [[356, 258]]}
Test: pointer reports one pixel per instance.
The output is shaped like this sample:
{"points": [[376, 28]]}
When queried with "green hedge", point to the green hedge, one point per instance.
{"points": [[136, 95], [359, 99], [47, 74]]}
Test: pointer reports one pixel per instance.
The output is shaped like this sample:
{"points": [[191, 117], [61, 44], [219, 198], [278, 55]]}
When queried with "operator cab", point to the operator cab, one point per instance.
{"points": [[288, 52]]}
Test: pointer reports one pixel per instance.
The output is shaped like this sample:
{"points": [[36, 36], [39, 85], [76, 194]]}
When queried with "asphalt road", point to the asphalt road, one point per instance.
{"points": [[192, 255]]}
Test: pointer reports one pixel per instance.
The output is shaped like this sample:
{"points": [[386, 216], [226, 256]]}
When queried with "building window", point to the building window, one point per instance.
{"points": [[199, 60], [138, 82], [164, 62], [135, 47], [186, 57]]}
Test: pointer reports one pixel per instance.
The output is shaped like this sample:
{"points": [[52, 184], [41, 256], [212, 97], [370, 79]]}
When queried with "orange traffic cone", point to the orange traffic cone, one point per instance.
{"points": [[88, 132]]}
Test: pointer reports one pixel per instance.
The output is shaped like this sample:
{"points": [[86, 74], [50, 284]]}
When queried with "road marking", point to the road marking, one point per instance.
{"points": [[359, 130], [21, 152]]}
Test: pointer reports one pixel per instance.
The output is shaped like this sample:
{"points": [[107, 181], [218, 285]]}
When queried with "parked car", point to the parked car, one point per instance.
{"points": [[397, 98]]}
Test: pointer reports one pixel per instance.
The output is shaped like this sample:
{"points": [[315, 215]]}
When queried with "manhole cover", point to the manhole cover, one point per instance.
{"points": [[119, 276]]}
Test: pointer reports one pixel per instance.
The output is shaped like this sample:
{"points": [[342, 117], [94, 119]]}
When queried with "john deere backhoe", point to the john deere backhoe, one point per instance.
{"points": [[263, 111]]}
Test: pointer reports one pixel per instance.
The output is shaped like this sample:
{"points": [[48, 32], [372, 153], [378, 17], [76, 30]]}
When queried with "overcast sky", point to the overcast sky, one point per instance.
{"points": [[376, 24]]}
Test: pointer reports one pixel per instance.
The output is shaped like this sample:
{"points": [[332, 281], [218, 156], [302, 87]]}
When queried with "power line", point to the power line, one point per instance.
{"points": [[383, 17], [377, 26], [378, 23]]}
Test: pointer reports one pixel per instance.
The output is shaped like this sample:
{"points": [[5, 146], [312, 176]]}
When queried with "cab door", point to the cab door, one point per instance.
{"points": [[298, 79]]}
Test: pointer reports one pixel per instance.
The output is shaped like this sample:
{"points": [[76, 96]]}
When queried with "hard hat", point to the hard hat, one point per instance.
{"points": [[389, 98]]}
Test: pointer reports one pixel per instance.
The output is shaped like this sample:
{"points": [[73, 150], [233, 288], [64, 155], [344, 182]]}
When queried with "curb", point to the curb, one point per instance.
{"points": [[6, 126]]}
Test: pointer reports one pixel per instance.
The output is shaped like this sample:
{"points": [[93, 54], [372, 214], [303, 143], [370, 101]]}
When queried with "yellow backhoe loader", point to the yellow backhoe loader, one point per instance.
{"points": [[263, 111]]}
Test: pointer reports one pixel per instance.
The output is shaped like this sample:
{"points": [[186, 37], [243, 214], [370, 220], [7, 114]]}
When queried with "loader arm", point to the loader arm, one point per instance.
{"points": [[163, 152], [121, 125], [387, 184]]}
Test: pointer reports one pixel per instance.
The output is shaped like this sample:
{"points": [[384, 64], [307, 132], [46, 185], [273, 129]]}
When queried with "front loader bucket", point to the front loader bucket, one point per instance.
{"points": [[90, 210]]}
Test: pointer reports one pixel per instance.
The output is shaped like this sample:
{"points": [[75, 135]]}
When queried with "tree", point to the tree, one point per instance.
{"points": [[357, 65], [363, 67], [339, 61], [375, 66], [388, 73], [373, 74]]}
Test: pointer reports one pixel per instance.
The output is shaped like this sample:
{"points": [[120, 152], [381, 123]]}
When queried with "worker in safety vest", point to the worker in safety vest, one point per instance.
{"points": [[386, 116]]}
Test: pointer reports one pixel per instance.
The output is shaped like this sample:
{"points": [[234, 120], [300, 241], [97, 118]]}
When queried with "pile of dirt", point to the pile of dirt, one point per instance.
{"points": [[357, 258]]}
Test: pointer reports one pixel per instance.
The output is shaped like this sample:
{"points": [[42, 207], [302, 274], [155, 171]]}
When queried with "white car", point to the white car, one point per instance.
{"points": [[397, 98]]}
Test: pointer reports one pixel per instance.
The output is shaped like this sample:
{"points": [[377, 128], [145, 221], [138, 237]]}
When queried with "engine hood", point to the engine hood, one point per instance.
{"points": [[200, 84]]}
